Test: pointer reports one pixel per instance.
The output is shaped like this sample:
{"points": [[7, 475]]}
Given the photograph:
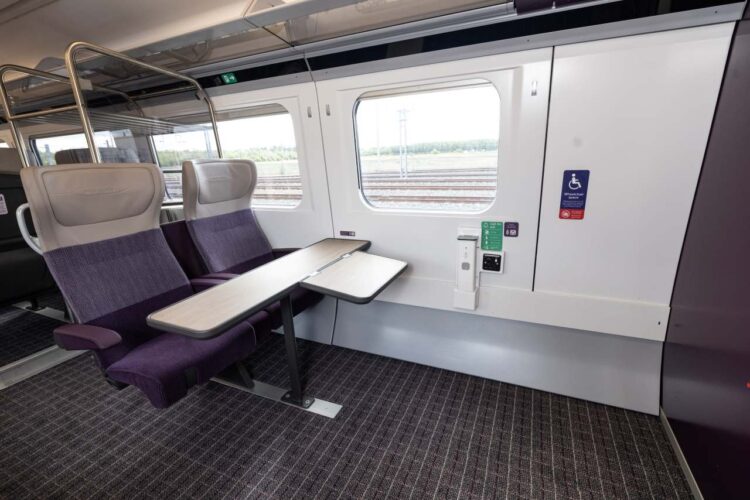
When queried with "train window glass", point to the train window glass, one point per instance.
{"points": [[434, 149], [172, 149], [46, 147], [264, 135], [269, 141]]}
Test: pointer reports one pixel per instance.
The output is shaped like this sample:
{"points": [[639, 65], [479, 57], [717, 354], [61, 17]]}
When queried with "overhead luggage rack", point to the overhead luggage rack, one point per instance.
{"points": [[105, 91], [139, 81], [49, 103]]}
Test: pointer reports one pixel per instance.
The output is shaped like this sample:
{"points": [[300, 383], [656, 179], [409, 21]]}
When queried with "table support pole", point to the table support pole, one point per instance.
{"points": [[295, 396]]}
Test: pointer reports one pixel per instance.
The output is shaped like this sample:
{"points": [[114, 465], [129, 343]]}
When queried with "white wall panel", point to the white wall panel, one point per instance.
{"points": [[607, 369], [636, 112]]}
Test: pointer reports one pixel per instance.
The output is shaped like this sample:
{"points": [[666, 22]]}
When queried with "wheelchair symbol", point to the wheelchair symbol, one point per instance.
{"points": [[574, 184]]}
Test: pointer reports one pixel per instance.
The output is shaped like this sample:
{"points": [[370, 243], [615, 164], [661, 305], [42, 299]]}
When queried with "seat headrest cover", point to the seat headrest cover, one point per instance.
{"points": [[84, 203], [216, 187], [10, 161]]}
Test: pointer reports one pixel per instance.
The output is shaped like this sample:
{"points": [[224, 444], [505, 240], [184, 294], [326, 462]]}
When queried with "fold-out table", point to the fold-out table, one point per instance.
{"points": [[333, 267]]}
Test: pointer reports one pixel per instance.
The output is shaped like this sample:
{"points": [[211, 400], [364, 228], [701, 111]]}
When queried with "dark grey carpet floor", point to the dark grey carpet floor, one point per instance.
{"points": [[406, 431], [23, 333]]}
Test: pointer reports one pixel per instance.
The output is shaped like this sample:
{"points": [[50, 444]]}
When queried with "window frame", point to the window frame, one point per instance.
{"points": [[421, 89]]}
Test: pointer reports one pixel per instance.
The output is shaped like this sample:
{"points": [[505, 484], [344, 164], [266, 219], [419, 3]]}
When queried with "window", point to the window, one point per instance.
{"points": [[3, 144], [172, 149], [431, 149], [46, 147], [268, 140], [263, 134]]}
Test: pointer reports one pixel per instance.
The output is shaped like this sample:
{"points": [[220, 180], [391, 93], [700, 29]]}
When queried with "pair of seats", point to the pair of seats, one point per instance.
{"points": [[220, 237], [23, 270], [99, 230]]}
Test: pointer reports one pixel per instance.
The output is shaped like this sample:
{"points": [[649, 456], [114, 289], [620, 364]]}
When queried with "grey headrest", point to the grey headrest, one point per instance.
{"points": [[10, 161], [216, 187], [108, 155], [84, 203]]}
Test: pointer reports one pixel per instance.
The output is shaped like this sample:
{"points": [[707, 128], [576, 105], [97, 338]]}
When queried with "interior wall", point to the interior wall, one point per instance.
{"points": [[706, 379], [635, 112], [610, 273]]}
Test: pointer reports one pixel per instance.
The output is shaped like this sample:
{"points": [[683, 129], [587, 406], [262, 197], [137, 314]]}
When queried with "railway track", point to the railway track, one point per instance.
{"points": [[455, 187]]}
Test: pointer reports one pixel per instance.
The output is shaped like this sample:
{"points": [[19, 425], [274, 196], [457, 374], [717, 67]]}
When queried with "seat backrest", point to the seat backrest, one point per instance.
{"points": [[11, 197], [83, 155], [216, 198], [98, 227], [10, 161]]}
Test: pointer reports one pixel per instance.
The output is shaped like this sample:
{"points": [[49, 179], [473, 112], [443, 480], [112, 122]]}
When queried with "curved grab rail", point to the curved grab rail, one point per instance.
{"points": [[32, 241]]}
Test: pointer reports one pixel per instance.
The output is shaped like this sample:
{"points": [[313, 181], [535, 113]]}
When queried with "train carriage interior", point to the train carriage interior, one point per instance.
{"points": [[400, 249]]}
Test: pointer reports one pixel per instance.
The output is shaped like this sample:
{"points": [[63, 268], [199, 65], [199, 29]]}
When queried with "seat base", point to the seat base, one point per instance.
{"points": [[165, 367]]}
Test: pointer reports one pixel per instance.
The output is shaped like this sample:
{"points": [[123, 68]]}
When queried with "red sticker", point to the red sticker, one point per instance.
{"points": [[571, 213]]}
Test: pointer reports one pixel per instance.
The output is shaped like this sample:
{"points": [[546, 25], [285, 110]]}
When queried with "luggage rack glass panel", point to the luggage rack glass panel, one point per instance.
{"points": [[107, 92]]}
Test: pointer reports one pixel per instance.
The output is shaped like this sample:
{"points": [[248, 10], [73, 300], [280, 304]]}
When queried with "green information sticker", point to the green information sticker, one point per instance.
{"points": [[229, 78], [492, 236]]}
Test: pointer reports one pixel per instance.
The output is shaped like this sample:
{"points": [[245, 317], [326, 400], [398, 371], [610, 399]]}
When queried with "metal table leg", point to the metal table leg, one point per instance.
{"points": [[295, 396]]}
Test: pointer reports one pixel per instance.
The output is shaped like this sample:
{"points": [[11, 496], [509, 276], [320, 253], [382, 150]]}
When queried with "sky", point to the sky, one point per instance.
{"points": [[445, 115]]}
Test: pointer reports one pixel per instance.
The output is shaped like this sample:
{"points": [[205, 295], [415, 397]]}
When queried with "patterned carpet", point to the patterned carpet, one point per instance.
{"points": [[406, 431], [23, 333]]}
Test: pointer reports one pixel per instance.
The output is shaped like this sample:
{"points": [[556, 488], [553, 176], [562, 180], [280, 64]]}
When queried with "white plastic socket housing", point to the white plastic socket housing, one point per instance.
{"points": [[465, 294]]}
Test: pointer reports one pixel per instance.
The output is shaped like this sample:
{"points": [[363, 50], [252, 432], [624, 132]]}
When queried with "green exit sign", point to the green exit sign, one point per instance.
{"points": [[229, 78]]}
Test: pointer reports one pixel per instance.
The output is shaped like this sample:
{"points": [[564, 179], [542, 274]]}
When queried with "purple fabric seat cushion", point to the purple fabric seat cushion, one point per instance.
{"points": [[166, 366]]}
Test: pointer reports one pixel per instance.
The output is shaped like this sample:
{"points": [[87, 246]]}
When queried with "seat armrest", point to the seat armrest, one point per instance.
{"points": [[85, 337], [200, 284], [280, 252], [219, 276]]}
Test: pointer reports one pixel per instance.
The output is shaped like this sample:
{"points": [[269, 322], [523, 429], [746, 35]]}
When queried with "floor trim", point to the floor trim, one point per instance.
{"points": [[33, 364], [695, 490]]}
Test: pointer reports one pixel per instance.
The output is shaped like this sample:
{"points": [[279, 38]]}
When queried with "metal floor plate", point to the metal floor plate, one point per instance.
{"points": [[275, 393]]}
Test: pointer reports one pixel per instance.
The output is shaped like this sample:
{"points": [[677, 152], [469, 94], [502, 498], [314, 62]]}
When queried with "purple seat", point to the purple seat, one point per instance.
{"points": [[98, 228], [166, 365], [223, 227]]}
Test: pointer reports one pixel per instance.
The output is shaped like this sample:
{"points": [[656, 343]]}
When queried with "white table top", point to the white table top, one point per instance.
{"points": [[209, 313], [357, 278]]}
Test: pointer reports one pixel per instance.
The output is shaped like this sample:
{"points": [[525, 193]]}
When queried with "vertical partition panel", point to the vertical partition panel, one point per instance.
{"points": [[706, 378]]}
